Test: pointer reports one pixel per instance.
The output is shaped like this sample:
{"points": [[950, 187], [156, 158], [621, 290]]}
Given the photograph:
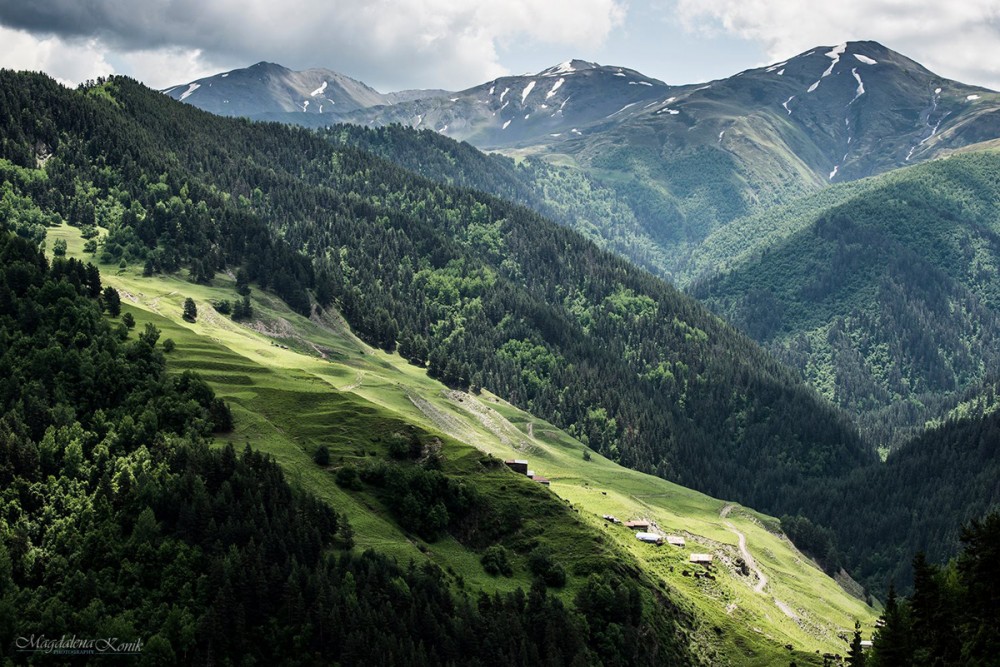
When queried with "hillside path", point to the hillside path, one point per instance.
{"points": [[752, 564]]}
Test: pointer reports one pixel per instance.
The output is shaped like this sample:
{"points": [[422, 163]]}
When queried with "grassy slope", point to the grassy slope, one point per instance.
{"points": [[287, 399]]}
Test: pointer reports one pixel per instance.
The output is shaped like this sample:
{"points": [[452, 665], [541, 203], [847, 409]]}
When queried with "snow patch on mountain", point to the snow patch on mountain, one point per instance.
{"points": [[865, 59], [834, 55], [554, 88], [562, 68], [622, 109], [968, 98], [225, 75], [776, 66], [861, 84], [785, 104], [506, 123], [505, 91], [527, 91], [318, 91], [833, 173], [187, 93]]}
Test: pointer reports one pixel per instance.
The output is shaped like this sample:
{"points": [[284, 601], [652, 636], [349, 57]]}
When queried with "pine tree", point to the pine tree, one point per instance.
{"points": [[856, 656], [112, 301], [190, 310], [891, 643], [926, 607]]}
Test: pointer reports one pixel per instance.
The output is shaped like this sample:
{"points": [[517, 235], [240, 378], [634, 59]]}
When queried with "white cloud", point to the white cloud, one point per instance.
{"points": [[960, 39], [389, 43], [160, 68], [69, 62]]}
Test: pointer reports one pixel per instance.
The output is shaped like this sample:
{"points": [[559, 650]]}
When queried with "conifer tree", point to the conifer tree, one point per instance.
{"points": [[891, 642], [856, 656], [190, 310], [112, 301]]}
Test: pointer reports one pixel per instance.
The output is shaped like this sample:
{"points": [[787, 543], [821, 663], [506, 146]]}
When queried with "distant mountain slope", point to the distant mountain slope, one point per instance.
{"points": [[478, 291], [555, 105], [739, 145], [268, 90], [567, 196], [884, 294], [687, 159]]}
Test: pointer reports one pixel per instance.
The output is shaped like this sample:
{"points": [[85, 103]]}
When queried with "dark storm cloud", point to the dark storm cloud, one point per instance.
{"points": [[119, 22], [386, 42]]}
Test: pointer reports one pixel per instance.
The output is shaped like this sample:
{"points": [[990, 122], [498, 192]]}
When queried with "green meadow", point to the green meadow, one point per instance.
{"points": [[295, 384]]}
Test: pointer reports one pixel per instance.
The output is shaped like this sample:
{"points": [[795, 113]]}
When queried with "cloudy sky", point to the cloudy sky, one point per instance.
{"points": [[396, 44]]}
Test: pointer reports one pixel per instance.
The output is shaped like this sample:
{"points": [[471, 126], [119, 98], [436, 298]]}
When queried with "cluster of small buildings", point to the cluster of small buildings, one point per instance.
{"points": [[520, 466], [643, 534]]}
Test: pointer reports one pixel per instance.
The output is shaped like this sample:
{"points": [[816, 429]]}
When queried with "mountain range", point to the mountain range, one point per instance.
{"points": [[386, 329], [267, 90], [681, 179], [827, 107], [386, 310]]}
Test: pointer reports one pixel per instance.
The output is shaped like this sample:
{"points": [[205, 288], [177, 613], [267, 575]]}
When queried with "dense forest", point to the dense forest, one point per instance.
{"points": [[481, 292], [567, 196], [872, 520], [885, 299], [117, 519], [952, 616]]}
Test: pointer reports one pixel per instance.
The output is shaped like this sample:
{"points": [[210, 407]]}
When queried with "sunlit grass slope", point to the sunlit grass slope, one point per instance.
{"points": [[295, 384]]}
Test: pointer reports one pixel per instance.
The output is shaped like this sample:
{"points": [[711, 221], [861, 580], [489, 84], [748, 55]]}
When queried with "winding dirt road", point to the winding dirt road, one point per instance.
{"points": [[752, 564]]}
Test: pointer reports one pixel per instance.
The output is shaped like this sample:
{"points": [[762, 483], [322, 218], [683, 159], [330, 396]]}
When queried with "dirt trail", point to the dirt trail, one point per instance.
{"points": [[752, 564]]}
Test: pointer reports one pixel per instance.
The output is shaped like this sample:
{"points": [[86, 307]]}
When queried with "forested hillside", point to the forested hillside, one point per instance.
{"points": [[118, 520], [884, 295], [481, 292], [878, 517], [563, 194]]}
